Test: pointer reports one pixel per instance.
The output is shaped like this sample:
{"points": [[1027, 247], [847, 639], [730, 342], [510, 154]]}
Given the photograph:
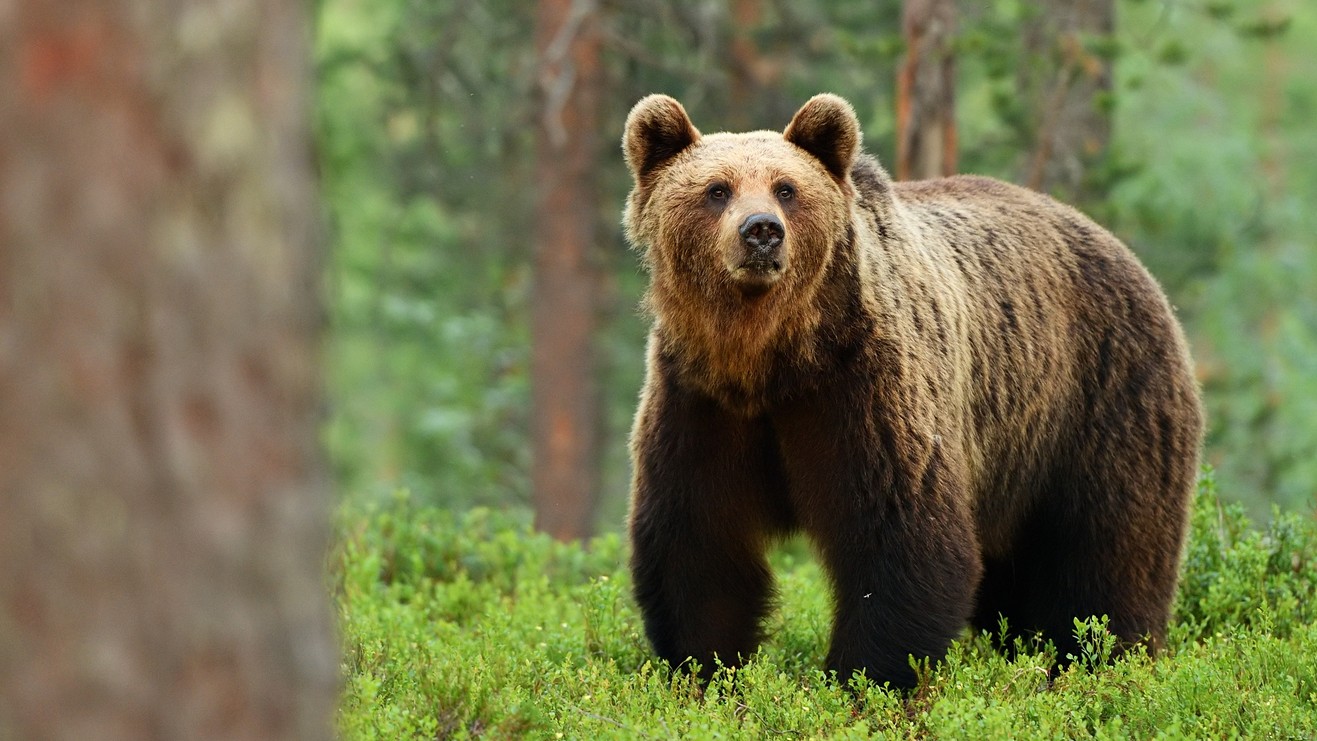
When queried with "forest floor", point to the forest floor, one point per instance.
{"points": [[471, 625]]}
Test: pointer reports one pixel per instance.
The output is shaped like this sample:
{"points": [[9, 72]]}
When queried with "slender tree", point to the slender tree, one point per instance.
{"points": [[565, 397], [1062, 82], [926, 93], [163, 508], [754, 94]]}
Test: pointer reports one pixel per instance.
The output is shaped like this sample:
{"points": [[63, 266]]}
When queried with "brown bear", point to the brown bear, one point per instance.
{"points": [[973, 399]]}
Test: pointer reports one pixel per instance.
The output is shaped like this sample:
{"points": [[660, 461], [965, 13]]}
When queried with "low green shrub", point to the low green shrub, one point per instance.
{"points": [[1235, 575], [472, 625]]}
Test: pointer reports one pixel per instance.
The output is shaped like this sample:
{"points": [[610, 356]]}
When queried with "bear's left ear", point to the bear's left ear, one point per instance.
{"points": [[657, 129], [826, 127]]}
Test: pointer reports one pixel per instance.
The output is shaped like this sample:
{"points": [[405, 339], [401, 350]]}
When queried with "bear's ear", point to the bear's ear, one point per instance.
{"points": [[657, 129], [826, 127]]}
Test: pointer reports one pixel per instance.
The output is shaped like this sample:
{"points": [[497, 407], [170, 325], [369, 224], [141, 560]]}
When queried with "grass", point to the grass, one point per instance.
{"points": [[471, 625]]}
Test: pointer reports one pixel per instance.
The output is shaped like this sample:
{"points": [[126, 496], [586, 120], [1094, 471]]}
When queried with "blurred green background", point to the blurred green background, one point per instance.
{"points": [[427, 126]]}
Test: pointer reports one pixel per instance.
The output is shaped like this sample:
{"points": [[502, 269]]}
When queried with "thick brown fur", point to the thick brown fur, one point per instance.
{"points": [[973, 399]]}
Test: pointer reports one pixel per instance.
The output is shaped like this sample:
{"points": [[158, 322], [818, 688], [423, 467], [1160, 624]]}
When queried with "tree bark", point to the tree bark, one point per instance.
{"points": [[1062, 80], [755, 74], [926, 92], [565, 396], [163, 505]]}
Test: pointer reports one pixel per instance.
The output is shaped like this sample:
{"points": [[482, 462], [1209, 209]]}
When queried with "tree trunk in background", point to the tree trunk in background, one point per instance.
{"points": [[744, 63], [1061, 81], [754, 97], [925, 95], [163, 506], [565, 394]]}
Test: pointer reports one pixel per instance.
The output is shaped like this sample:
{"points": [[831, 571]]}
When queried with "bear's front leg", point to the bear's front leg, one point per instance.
{"points": [[893, 527], [703, 508], [904, 586]]}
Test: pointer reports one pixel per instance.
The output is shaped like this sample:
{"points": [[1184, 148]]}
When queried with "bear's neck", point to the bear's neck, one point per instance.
{"points": [[748, 355], [736, 366]]}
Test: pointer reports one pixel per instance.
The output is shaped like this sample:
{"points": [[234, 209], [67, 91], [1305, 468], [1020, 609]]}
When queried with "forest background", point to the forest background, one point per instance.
{"points": [[474, 184]]}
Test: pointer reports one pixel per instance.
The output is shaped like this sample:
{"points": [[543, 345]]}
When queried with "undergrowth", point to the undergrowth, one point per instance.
{"points": [[471, 625]]}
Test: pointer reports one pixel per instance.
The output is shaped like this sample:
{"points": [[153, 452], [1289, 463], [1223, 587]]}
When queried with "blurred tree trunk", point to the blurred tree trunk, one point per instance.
{"points": [[1062, 83], [744, 64], [754, 99], [163, 508], [926, 92], [565, 395]]}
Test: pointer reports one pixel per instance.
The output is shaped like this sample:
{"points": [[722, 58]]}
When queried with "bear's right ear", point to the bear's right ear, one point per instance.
{"points": [[826, 127], [657, 129]]}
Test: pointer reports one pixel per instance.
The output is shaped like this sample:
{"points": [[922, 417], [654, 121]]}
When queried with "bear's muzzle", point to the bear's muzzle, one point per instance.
{"points": [[763, 258]]}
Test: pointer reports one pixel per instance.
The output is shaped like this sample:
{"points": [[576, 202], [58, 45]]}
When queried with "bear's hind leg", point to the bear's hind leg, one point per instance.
{"points": [[998, 598], [1099, 544]]}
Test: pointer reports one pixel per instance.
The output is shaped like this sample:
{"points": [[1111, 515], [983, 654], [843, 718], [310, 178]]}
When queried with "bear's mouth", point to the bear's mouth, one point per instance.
{"points": [[756, 275]]}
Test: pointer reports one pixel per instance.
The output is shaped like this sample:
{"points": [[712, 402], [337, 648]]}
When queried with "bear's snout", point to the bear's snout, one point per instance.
{"points": [[762, 257], [762, 234]]}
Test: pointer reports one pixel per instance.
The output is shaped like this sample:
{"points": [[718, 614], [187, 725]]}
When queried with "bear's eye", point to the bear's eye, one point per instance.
{"points": [[785, 192], [719, 192]]}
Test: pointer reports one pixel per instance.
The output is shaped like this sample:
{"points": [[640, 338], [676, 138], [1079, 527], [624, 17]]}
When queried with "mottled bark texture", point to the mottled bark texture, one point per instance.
{"points": [[926, 92], [754, 72], [565, 395], [1062, 82], [163, 506]]}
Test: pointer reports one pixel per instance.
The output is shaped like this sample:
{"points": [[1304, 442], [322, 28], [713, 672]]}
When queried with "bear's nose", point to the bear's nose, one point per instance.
{"points": [[762, 232]]}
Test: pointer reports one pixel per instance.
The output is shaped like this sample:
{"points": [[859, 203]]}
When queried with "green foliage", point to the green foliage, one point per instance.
{"points": [[1236, 576], [1218, 206], [427, 286], [465, 625]]}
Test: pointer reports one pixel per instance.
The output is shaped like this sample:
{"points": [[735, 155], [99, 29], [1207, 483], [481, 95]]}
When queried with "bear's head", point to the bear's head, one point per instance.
{"points": [[738, 221], [738, 230]]}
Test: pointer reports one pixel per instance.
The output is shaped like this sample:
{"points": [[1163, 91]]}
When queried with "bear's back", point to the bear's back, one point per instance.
{"points": [[1044, 323]]}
